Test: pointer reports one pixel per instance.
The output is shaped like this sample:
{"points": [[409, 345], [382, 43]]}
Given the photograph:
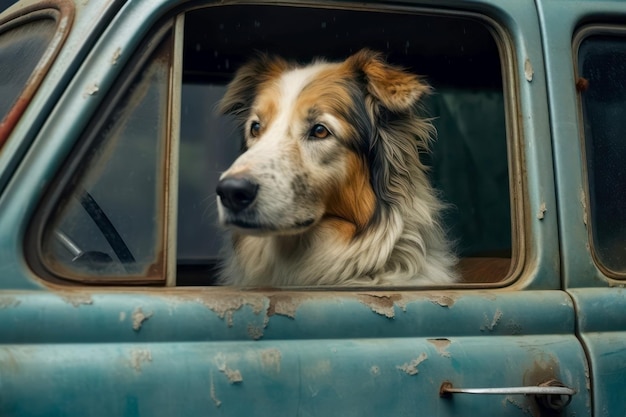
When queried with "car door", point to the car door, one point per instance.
{"points": [[587, 108], [107, 301]]}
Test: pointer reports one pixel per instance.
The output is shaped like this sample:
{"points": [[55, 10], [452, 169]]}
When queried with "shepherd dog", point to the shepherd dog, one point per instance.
{"points": [[330, 189]]}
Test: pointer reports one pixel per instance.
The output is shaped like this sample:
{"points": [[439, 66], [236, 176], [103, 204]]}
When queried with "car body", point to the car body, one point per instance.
{"points": [[109, 153]]}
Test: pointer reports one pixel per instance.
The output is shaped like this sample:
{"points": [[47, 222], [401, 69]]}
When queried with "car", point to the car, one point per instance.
{"points": [[110, 150]]}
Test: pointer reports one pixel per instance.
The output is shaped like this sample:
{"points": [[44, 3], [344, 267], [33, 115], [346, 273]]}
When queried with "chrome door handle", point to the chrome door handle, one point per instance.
{"points": [[551, 394]]}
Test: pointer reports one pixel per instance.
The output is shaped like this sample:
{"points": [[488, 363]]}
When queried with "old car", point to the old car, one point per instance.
{"points": [[110, 149]]}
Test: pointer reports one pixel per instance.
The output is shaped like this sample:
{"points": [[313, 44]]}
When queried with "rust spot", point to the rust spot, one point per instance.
{"points": [[441, 345], [380, 304], [582, 84]]}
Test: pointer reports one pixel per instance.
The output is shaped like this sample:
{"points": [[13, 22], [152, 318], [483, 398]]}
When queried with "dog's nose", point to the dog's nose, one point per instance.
{"points": [[237, 193]]}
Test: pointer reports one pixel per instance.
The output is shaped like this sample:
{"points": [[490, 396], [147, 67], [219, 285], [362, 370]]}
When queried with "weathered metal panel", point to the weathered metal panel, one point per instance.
{"points": [[602, 326]]}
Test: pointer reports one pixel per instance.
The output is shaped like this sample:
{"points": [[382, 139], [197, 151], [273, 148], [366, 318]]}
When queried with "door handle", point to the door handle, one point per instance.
{"points": [[551, 394]]}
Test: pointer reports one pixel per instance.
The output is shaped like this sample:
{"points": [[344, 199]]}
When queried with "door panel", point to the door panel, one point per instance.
{"points": [[284, 353]]}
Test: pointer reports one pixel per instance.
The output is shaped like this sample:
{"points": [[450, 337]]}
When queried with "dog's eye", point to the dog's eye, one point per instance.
{"points": [[255, 129], [320, 132]]}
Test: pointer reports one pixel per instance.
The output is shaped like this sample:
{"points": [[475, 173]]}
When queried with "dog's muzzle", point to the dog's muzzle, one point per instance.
{"points": [[237, 193]]}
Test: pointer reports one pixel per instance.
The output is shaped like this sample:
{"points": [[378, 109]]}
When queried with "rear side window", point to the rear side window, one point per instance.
{"points": [[602, 72], [28, 45]]}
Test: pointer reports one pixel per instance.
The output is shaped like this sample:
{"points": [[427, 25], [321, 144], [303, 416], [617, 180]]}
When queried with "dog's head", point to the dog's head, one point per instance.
{"points": [[334, 141]]}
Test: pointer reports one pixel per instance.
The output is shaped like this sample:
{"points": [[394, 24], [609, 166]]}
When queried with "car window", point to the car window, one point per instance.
{"points": [[602, 71], [122, 173], [469, 162], [28, 43], [109, 224]]}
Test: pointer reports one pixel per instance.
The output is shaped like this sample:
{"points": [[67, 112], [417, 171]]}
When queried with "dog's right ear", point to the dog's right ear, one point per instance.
{"points": [[248, 80]]}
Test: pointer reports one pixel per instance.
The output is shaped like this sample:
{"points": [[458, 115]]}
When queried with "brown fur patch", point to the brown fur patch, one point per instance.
{"points": [[396, 89], [353, 201]]}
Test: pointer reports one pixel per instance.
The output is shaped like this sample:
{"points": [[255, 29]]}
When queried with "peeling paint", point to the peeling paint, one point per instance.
{"points": [[542, 211], [116, 56], [233, 375], [441, 345], [410, 368], [270, 358], [225, 307], [528, 70], [139, 356], [442, 300], [91, 90], [216, 400], [489, 326], [9, 302], [77, 299], [283, 305], [255, 332], [380, 304], [139, 317]]}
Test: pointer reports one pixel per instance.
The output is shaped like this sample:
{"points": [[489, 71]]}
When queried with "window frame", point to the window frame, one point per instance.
{"points": [[582, 33], [518, 194], [75, 162]]}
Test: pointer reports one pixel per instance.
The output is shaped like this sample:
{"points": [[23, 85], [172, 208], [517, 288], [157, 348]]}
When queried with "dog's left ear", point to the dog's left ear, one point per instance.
{"points": [[394, 88]]}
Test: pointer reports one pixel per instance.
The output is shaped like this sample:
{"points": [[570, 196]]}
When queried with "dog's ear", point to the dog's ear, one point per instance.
{"points": [[391, 86], [248, 79]]}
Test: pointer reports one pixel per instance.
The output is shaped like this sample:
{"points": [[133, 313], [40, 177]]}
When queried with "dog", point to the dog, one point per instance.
{"points": [[330, 188]]}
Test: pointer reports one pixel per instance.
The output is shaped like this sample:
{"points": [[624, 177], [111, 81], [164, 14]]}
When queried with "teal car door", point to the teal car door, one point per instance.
{"points": [[587, 108], [108, 304]]}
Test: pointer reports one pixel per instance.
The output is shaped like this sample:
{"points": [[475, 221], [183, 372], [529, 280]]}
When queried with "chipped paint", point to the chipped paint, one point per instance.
{"points": [[233, 375], [139, 317], [255, 332], [410, 368], [283, 305], [542, 211], [216, 400], [528, 70], [122, 316], [224, 307], [441, 345], [442, 300], [139, 357], [91, 90], [375, 370], [116, 56], [77, 299], [380, 304], [9, 302], [491, 325], [270, 358]]}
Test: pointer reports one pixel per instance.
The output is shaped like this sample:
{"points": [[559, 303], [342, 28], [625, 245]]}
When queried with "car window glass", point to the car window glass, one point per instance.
{"points": [[602, 68], [110, 223]]}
